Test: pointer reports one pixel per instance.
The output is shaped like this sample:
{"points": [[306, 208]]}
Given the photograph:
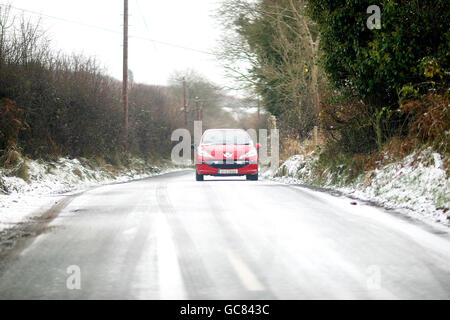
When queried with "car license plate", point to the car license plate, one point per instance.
{"points": [[228, 171]]}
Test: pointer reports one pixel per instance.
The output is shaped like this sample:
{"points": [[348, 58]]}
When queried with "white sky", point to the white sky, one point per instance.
{"points": [[186, 23]]}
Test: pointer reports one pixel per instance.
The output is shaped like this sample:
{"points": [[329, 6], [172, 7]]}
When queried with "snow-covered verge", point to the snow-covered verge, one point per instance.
{"points": [[417, 185], [47, 181]]}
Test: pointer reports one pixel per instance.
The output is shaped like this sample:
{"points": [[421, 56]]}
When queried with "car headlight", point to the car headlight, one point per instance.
{"points": [[251, 153], [203, 153]]}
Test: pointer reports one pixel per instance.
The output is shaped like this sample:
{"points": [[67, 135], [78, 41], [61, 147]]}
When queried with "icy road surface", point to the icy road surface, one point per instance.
{"points": [[169, 237]]}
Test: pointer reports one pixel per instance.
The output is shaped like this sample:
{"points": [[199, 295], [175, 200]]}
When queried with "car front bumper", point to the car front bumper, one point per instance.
{"points": [[212, 167]]}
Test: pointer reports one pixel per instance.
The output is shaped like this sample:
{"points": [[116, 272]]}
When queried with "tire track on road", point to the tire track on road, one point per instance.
{"points": [[247, 269], [197, 281], [24, 234]]}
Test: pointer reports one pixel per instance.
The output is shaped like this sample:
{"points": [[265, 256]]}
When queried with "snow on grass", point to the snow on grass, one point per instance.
{"points": [[20, 199], [16, 207], [417, 185]]}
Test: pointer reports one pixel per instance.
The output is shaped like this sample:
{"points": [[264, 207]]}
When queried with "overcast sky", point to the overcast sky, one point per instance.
{"points": [[186, 23]]}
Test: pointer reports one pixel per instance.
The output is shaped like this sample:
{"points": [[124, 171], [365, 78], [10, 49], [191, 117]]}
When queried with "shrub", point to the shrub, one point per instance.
{"points": [[78, 173], [377, 63], [21, 171], [69, 106], [348, 123], [335, 167], [430, 120], [11, 123]]}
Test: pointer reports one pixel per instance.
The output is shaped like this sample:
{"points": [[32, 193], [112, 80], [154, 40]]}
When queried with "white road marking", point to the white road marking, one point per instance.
{"points": [[170, 280], [247, 277]]}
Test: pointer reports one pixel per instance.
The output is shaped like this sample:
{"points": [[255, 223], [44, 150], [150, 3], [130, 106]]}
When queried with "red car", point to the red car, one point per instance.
{"points": [[226, 152]]}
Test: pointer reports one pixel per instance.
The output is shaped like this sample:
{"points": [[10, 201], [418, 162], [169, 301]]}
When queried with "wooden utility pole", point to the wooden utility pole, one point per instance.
{"points": [[197, 110], [316, 136], [259, 109], [125, 71], [184, 101]]}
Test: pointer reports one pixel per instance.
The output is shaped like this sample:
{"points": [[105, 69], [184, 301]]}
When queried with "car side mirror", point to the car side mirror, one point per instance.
{"points": [[193, 146], [258, 145]]}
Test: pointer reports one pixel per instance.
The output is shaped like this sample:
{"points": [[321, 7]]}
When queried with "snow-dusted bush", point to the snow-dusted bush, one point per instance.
{"points": [[417, 183]]}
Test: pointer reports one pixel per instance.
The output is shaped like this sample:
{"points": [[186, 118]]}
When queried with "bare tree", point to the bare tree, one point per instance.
{"points": [[6, 23], [272, 46]]}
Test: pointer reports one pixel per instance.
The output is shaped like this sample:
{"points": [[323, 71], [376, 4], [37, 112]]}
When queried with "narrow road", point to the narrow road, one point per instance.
{"points": [[169, 237]]}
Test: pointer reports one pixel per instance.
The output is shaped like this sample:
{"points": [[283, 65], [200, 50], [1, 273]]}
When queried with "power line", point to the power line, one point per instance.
{"points": [[109, 30], [61, 19], [142, 15], [145, 22], [173, 45]]}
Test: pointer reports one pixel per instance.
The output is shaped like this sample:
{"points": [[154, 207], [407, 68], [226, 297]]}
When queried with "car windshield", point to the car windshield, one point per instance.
{"points": [[226, 137]]}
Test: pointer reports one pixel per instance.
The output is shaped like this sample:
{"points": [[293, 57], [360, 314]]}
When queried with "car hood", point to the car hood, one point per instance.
{"points": [[229, 151]]}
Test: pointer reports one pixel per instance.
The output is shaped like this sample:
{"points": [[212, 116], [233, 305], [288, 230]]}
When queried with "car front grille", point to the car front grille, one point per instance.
{"points": [[227, 164]]}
